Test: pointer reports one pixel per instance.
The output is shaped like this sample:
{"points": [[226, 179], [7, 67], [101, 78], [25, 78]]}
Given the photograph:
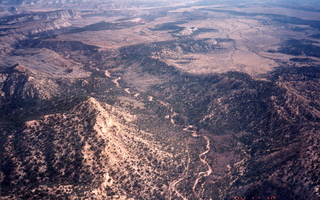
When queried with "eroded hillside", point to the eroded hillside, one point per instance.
{"points": [[187, 101]]}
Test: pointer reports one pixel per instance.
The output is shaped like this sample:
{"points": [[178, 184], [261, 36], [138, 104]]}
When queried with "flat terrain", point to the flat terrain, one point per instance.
{"points": [[243, 37], [226, 38]]}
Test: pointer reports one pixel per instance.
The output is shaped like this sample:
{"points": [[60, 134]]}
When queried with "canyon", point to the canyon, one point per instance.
{"points": [[156, 100]]}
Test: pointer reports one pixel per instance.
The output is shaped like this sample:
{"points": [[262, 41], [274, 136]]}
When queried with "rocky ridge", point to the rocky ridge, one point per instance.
{"points": [[105, 156], [22, 83], [79, 121], [116, 154]]}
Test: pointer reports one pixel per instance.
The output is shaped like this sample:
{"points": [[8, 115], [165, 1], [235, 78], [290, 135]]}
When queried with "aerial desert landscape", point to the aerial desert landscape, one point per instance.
{"points": [[151, 99]]}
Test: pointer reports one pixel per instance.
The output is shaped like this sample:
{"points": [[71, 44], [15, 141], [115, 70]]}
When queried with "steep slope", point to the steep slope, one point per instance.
{"points": [[282, 159], [21, 83], [272, 127], [242, 137], [19, 27], [261, 134], [37, 16], [94, 150]]}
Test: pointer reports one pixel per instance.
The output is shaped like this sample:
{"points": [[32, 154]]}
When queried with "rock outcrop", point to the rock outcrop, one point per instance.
{"points": [[20, 27], [23, 17]]}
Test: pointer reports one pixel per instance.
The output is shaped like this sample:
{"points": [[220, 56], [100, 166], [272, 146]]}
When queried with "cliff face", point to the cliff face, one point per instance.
{"points": [[23, 17], [20, 27], [35, 28]]}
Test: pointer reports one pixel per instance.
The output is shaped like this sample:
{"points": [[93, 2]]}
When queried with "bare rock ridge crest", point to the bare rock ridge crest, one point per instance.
{"points": [[100, 158]]}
